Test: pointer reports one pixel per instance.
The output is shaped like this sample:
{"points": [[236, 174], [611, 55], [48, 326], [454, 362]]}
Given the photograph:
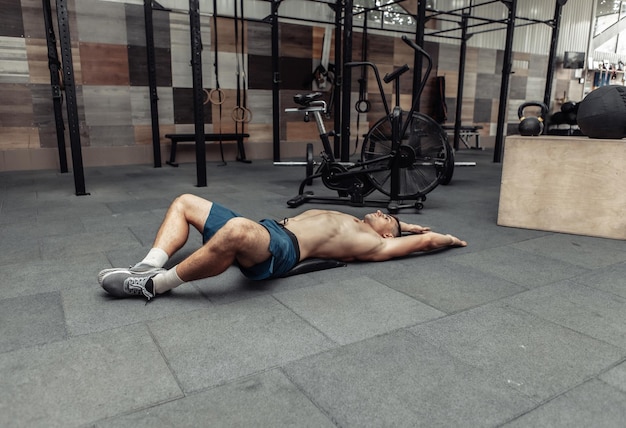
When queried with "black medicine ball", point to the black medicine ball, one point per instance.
{"points": [[602, 114]]}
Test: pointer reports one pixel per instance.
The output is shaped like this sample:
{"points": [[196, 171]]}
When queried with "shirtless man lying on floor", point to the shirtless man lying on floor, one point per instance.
{"points": [[265, 249]]}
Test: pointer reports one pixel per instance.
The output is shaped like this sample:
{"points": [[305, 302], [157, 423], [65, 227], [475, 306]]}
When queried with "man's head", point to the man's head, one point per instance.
{"points": [[387, 225]]}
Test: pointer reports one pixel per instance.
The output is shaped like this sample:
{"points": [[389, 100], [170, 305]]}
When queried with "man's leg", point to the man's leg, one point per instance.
{"points": [[240, 240], [184, 211]]}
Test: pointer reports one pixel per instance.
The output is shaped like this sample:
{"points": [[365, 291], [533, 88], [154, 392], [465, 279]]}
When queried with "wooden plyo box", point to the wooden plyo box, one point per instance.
{"points": [[564, 184]]}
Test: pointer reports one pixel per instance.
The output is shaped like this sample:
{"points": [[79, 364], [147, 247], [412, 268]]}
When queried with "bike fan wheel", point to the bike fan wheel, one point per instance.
{"points": [[424, 154]]}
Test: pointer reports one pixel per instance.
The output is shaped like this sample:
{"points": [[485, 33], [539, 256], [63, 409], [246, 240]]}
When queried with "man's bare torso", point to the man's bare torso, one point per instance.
{"points": [[335, 235]]}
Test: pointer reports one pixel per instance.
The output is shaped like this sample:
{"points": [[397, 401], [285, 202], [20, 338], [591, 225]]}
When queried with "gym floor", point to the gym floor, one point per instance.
{"points": [[521, 328]]}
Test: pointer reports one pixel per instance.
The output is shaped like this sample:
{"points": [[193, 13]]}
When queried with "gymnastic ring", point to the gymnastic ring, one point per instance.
{"points": [[216, 96], [241, 114], [362, 106]]}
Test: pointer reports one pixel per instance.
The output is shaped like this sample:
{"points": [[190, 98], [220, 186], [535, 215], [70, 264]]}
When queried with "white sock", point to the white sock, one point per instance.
{"points": [[166, 281], [156, 257]]}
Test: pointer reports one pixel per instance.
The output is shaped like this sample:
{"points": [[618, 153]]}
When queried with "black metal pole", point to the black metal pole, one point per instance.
{"points": [[152, 83], [70, 97], [556, 23], [55, 82], [418, 60], [275, 80], [506, 77], [459, 92], [346, 82], [338, 78], [198, 95]]}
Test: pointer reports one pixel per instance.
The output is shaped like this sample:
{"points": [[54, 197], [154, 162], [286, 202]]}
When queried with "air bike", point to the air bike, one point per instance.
{"points": [[404, 155]]}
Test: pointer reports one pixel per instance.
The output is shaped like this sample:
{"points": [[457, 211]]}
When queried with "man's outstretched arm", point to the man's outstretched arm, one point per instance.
{"points": [[407, 244]]}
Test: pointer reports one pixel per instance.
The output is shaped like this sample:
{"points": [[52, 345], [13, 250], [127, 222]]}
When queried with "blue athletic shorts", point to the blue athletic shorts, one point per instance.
{"points": [[283, 244]]}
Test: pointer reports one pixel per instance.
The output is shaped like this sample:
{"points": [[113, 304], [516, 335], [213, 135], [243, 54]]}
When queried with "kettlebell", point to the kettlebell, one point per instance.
{"points": [[532, 125]]}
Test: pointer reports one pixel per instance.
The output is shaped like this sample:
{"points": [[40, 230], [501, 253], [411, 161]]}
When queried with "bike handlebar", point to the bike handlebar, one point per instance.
{"points": [[414, 46]]}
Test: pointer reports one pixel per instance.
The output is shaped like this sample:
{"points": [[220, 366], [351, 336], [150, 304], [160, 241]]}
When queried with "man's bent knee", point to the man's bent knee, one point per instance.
{"points": [[250, 239]]}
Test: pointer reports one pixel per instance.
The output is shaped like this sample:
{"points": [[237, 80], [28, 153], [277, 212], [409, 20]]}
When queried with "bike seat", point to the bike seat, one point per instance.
{"points": [[306, 99]]}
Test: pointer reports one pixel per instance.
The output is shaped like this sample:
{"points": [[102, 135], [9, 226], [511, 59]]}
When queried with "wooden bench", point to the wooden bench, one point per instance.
{"points": [[467, 132], [191, 138]]}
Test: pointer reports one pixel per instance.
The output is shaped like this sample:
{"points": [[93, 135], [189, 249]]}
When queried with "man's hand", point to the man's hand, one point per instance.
{"points": [[413, 228]]}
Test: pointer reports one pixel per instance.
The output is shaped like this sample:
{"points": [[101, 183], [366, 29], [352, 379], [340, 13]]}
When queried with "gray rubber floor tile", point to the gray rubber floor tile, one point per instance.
{"points": [[31, 320], [16, 249], [84, 379], [209, 347], [520, 267], [535, 356], [610, 279], [616, 377], [585, 251], [138, 205], [58, 247], [20, 279], [90, 309], [356, 309], [71, 207], [581, 308], [264, 400], [231, 286], [119, 221], [446, 285], [592, 404], [400, 380]]}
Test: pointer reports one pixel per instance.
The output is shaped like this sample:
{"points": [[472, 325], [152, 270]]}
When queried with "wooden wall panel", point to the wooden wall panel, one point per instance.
{"points": [[448, 58], [104, 64], [11, 23], [140, 105], [166, 105], [101, 22], [489, 85], [318, 42], [107, 136], [107, 105], [296, 73], [228, 66], [181, 52], [48, 136], [402, 53], [43, 108], [296, 41], [260, 133], [538, 66], [471, 60], [518, 87], [19, 137], [486, 61], [13, 60], [37, 53], [260, 75], [482, 110], [135, 25], [226, 40], [16, 108], [380, 49], [138, 66], [259, 39], [32, 15], [183, 107], [260, 104], [161, 24]]}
